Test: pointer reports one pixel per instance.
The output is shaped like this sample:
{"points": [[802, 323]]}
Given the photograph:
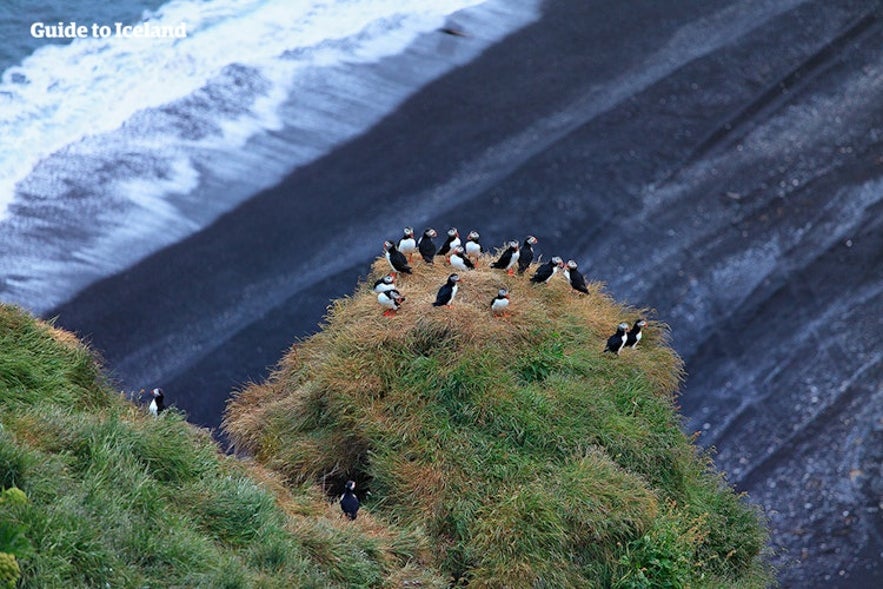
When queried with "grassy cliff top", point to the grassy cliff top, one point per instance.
{"points": [[530, 458], [117, 498]]}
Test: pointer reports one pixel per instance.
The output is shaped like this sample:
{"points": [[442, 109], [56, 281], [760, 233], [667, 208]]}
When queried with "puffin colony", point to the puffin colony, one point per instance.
{"points": [[464, 256]]}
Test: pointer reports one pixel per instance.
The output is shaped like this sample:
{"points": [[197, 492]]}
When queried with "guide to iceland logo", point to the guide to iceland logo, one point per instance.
{"points": [[75, 30]]}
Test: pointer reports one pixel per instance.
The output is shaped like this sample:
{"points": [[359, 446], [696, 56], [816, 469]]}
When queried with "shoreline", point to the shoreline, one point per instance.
{"points": [[183, 158], [248, 263], [662, 232]]}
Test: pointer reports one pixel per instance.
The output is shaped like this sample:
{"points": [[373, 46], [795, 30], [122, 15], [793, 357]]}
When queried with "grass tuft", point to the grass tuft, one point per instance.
{"points": [[117, 498], [530, 457]]}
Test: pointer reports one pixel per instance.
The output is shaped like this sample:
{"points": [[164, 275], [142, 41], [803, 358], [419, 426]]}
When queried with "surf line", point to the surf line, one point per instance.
{"points": [[72, 30]]}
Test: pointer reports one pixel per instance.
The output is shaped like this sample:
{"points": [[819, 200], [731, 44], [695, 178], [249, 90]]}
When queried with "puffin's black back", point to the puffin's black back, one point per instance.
{"points": [[616, 341], [543, 272], [349, 503], [634, 335], [504, 259], [526, 257], [398, 260], [445, 249], [444, 295], [426, 247], [578, 281]]}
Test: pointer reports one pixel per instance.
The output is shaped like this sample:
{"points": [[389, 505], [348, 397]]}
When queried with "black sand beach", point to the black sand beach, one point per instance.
{"points": [[719, 162]]}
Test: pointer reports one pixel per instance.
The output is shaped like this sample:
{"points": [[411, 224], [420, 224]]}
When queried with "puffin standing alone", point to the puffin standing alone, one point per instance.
{"points": [[616, 342], [460, 261], [635, 334], [407, 244], [426, 246], [545, 272], [473, 248], [447, 292], [397, 260], [575, 278], [452, 241], [508, 258], [349, 503], [500, 303], [390, 300], [157, 404], [385, 284], [526, 256]]}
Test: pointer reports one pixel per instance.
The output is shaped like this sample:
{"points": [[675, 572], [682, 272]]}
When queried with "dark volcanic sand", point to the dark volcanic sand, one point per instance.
{"points": [[717, 161]]}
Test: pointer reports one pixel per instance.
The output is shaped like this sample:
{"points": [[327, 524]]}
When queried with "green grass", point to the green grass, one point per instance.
{"points": [[489, 452], [117, 498], [530, 458]]}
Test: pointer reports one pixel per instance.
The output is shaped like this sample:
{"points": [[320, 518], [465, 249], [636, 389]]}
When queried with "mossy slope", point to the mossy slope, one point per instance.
{"points": [[120, 499], [531, 458]]}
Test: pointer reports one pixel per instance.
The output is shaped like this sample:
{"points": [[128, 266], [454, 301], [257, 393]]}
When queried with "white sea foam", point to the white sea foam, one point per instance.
{"points": [[112, 148]]}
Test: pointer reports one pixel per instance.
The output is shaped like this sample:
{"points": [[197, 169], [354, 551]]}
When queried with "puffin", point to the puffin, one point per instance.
{"points": [[407, 244], [526, 256], [473, 248], [447, 292], [460, 261], [349, 503], [616, 342], [397, 260], [508, 258], [575, 278], [426, 246], [385, 284], [635, 334], [157, 404], [390, 300], [452, 241], [545, 272], [500, 303]]}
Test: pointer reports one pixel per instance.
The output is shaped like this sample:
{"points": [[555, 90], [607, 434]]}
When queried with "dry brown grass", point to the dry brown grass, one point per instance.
{"points": [[63, 337], [485, 430], [358, 351]]}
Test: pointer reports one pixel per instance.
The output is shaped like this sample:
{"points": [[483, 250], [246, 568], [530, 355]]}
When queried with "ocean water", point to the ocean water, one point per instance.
{"points": [[111, 148], [16, 17]]}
